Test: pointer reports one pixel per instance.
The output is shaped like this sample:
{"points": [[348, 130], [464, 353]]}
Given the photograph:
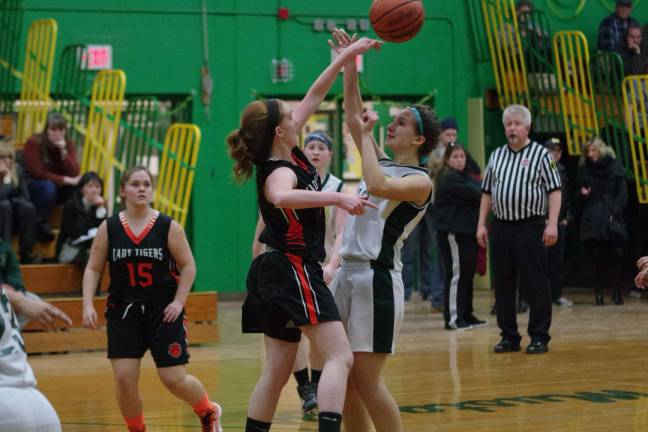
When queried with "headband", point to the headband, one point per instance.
{"points": [[272, 121], [417, 116], [319, 136]]}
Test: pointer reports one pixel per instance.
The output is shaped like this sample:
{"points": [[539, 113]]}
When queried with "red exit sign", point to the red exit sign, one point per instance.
{"points": [[99, 57]]}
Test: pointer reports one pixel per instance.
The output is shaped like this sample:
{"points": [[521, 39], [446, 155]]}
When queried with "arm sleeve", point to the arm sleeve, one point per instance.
{"points": [[70, 164], [549, 173], [12, 270], [605, 36], [461, 189], [621, 195]]}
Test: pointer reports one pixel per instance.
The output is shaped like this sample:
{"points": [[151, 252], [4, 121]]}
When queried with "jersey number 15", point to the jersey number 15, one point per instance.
{"points": [[142, 277]]}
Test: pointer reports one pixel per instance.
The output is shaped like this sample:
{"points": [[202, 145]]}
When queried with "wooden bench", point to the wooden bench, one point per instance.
{"points": [[201, 310], [54, 279]]}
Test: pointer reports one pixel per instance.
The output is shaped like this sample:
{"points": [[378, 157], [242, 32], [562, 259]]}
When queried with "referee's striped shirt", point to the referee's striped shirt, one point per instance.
{"points": [[519, 181]]}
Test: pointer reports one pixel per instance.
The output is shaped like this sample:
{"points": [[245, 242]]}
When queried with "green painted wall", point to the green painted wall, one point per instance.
{"points": [[160, 44]]}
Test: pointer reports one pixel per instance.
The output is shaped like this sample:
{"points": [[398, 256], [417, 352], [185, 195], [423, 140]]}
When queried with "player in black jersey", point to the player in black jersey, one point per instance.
{"points": [[286, 291], [151, 272]]}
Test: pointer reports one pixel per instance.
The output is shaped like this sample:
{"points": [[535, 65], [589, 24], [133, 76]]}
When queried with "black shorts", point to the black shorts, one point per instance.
{"points": [[285, 292], [137, 326]]}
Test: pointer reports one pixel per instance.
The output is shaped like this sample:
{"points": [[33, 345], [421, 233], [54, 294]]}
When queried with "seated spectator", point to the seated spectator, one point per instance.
{"points": [[52, 168], [82, 215], [604, 195], [540, 38], [17, 213], [614, 26], [635, 60]]}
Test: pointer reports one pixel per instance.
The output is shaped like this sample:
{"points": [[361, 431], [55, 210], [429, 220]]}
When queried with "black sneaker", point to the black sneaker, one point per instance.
{"points": [[308, 395], [506, 346], [537, 347], [474, 321], [458, 325]]}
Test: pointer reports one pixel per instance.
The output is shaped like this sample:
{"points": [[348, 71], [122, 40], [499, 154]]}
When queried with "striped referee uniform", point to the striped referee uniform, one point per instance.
{"points": [[519, 183]]}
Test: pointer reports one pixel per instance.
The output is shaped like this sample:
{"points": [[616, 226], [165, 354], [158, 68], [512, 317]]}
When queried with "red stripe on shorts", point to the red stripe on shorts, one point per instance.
{"points": [[298, 264]]}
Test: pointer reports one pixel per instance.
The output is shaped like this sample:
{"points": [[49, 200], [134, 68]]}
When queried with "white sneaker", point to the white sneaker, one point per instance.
{"points": [[565, 302]]}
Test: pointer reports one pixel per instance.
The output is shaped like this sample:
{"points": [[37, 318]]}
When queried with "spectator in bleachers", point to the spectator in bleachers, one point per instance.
{"points": [[604, 195], [613, 28], [635, 59], [51, 164], [17, 213], [82, 215]]}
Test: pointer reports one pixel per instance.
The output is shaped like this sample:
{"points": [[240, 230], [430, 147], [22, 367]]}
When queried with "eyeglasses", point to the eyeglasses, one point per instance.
{"points": [[8, 157]]}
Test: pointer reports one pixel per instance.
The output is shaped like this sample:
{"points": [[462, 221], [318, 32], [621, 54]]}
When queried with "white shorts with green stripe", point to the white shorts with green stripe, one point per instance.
{"points": [[370, 302]]}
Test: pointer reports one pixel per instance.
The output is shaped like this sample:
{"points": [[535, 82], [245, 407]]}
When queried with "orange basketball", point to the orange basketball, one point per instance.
{"points": [[397, 20]]}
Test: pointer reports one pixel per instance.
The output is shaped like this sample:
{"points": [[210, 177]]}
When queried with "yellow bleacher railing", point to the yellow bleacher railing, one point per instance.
{"points": [[102, 130], [35, 100], [505, 46], [177, 171], [577, 101], [635, 98]]}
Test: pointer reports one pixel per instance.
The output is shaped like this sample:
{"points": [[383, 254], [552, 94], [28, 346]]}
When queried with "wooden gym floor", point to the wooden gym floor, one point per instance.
{"points": [[594, 378]]}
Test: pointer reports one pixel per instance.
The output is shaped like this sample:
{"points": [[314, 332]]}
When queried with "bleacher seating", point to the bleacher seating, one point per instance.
{"points": [[201, 309]]}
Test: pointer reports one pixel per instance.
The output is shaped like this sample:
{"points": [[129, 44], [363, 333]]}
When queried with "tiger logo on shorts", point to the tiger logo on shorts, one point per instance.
{"points": [[175, 350]]}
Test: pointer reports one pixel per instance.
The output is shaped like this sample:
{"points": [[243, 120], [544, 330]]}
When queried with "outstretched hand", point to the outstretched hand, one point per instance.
{"points": [[43, 312], [344, 43], [354, 205], [341, 40]]}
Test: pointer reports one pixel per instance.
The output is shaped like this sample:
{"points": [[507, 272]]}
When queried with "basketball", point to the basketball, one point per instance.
{"points": [[397, 20]]}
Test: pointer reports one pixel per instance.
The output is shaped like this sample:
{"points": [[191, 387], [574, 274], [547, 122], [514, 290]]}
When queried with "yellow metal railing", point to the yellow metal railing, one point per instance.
{"points": [[177, 171], [635, 98], [575, 85], [505, 46], [37, 79], [102, 130]]}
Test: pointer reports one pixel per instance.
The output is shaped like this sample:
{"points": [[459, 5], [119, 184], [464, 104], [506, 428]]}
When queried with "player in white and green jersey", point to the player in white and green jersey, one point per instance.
{"points": [[22, 407], [368, 288]]}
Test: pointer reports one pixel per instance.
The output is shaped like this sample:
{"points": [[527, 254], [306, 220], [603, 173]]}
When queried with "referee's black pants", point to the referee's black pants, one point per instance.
{"points": [[519, 245]]}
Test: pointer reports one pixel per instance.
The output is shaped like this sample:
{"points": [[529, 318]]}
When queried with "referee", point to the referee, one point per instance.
{"points": [[520, 178]]}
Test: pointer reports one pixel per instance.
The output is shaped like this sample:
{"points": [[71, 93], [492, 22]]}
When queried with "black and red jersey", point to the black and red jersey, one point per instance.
{"points": [[295, 231], [141, 267]]}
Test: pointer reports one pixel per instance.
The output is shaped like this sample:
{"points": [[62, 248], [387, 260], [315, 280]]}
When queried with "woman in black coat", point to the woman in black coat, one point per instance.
{"points": [[83, 212], [456, 211], [604, 194], [17, 212]]}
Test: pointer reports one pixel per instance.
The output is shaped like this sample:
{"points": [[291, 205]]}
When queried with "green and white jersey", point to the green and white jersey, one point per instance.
{"points": [[377, 235], [14, 369], [330, 183]]}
